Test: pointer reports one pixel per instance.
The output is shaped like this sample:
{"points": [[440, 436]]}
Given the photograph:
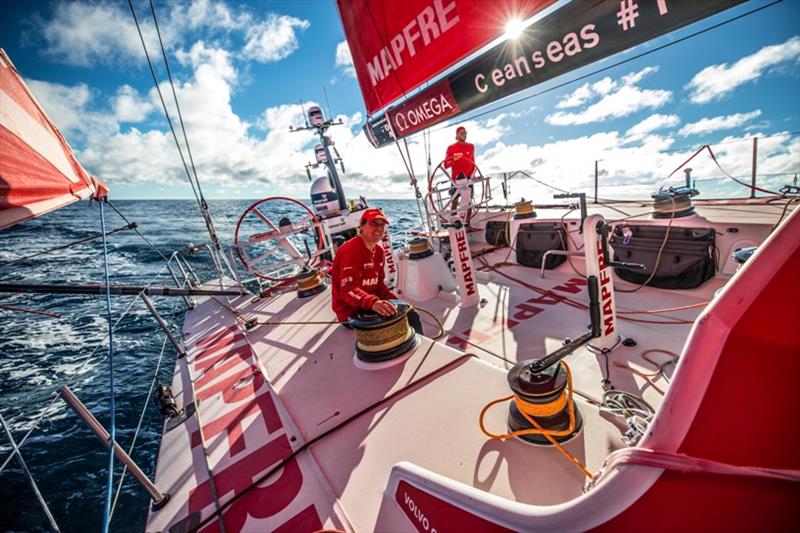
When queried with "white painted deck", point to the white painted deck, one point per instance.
{"points": [[265, 393]]}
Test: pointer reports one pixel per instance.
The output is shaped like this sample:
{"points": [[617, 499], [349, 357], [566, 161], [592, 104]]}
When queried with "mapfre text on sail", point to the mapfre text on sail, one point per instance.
{"points": [[429, 24], [571, 44]]}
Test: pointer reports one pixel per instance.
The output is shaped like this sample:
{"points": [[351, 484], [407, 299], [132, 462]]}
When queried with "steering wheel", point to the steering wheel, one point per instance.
{"points": [[441, 208], [277, 248]]}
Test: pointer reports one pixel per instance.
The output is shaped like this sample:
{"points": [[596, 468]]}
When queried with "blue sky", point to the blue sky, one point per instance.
{"points": [[243, 67]]}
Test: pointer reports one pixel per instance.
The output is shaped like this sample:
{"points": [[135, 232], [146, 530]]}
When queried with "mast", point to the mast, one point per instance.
{"points": [[317, 123]]}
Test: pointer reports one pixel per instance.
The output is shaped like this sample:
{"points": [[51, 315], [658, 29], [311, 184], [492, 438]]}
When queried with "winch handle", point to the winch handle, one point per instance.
{"points": [[308, 254], [457, 224], [582, 197], [538, 365], [603, 229]]}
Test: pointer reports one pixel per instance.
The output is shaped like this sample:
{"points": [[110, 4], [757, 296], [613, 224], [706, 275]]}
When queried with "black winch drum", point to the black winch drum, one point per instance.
{"points": [[541, 388], [383, 339], [310, 282]]}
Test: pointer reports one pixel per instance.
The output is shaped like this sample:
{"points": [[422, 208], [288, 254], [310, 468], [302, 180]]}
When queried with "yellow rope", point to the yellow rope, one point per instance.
{"points": [[435, 319], [529, 410]]}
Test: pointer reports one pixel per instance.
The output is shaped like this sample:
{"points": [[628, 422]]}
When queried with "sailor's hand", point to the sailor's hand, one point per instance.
{"points": [[384, 308], [456, 156]]}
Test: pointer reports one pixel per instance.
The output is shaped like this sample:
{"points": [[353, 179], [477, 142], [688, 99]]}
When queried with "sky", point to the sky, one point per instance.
{"points": [[245, 71]]}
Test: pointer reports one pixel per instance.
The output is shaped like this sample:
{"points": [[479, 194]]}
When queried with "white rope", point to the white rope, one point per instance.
{"points": [[636, 412]]}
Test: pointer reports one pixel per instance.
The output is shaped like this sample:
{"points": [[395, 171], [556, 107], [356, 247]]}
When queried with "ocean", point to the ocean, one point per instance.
{"points": [[39, 354]]}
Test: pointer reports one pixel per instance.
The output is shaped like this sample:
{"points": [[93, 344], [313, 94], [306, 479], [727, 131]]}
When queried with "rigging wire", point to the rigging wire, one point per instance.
{"points": [[76, 374], [613, 65], [153, 383], [203, 203], [31, 481], [135, 228], [197, 195], [112, 407], [68, 245]]}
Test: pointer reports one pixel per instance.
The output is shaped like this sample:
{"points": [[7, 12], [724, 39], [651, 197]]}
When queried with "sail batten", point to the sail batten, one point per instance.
{"points": [[38, 170]]}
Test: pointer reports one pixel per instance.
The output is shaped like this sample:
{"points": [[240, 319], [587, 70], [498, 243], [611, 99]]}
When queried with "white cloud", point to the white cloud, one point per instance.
{"points": [[616, 99], [273, 39], [87, 33], [576, 98], [344, 59], [716, 81], [83, 34], [64, 104], [635, 77], [129, 106], [623, 102], [723, 122], [636, 171], [651, 124], [205, 14]]}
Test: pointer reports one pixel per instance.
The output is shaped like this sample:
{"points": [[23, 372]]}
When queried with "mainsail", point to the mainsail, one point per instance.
{"points": [[398, 46], [577, 34], [38, 170]]}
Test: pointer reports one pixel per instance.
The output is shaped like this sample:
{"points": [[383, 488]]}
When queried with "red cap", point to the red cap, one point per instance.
{"points": [[373, 213], [460, 129]]}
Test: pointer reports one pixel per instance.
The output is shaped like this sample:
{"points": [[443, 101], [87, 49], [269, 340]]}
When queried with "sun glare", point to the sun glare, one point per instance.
{"points": [[514, 28]]}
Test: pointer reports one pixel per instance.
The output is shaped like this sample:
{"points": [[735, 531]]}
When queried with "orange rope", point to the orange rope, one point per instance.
{"points": [[664, 309], [650, 377], [530, 410]]}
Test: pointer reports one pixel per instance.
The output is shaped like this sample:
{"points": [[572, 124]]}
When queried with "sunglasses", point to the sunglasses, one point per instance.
{"points": [[376, 223]]}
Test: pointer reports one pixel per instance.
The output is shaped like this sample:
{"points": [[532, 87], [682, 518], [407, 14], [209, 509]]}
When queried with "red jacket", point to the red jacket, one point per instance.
{"points": [[465, 164], [357, 278]]}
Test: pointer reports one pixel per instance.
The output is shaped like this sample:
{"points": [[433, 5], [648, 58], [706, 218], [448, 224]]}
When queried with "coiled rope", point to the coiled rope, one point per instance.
{"points": [[530, 410]]}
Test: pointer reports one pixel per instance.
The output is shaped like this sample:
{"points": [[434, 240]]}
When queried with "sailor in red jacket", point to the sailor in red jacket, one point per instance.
{"points": [[358, 275], [460, 158]]}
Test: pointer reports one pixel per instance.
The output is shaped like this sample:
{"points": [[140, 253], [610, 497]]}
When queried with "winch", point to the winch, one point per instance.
{"points": [[542, 410], [380, 339], [524, 209], [310, 281], [419, 248], [673, 202]]}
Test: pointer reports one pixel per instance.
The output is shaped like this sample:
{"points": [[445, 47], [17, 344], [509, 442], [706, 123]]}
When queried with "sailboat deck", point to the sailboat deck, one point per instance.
{"points": [[516, 323], [423, 411], [288, 396]]}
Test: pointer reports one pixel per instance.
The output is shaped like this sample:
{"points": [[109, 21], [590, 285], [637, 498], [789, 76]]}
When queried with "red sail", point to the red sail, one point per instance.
{"points": [[38, 171], [399, 45]]}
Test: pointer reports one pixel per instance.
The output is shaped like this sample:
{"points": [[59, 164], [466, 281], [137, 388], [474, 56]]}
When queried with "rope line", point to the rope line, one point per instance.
{"points": [[687, 464], [608, 67], [77, 373], [203, 203], [31, 481], [529, 410], [308, 444], [111, 406], [714, 158], [153, 383], [31, 311], [65, 246]]}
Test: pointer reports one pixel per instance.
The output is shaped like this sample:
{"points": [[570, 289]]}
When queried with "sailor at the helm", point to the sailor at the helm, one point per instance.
{"points": [[460, 158], [358, 276]]}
